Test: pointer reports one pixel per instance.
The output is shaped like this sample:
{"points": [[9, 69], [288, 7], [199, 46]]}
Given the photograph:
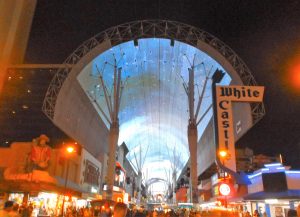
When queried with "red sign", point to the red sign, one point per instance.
{"points": [[224, 189], [181, 195]]}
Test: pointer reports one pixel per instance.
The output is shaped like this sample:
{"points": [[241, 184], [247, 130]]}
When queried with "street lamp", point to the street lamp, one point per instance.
{"points": [[69, 150], [223, 154], [224, 188]]}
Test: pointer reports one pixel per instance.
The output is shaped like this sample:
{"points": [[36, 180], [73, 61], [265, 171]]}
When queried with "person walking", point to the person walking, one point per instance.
{"points": [[292, 213], [298, 210], [120, 210], [6, 211], [15, 211], [256, 213]]}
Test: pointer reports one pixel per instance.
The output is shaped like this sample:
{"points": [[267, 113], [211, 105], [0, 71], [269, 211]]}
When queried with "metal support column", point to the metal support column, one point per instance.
{"points": [[194, 120], [65, 189], [113, 137], [174, 186], [192, 138], [113, 106]]}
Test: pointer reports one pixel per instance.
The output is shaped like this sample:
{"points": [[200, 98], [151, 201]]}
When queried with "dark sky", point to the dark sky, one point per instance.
{"points": [[265, 34]]}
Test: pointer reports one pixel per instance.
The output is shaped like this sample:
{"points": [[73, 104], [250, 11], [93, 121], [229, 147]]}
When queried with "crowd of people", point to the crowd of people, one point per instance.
{"points": [[12, 209]]}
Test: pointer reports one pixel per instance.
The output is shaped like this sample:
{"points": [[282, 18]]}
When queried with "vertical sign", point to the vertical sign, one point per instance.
{"points": [[225, 95]]}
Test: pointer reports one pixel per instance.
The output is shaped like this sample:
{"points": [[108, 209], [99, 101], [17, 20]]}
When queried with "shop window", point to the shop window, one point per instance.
{"points": [[274, 182], [92, 173]]}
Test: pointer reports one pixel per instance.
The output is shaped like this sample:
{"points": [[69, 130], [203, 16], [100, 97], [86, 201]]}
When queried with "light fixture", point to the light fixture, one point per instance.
{"points": [[254, 175], [70, 149], [223, 153], [273, 165], [271, 201]]}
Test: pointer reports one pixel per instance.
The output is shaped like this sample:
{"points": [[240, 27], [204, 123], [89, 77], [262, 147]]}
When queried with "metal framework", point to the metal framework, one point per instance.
{"points": [[154, 180], [151, 29]]}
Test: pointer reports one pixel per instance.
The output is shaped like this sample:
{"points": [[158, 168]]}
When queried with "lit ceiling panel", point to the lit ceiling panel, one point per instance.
{"points": [[154, 107]]}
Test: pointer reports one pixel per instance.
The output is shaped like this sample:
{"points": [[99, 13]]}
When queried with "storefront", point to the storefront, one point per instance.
{"points": [[45, 198], [48, 203], [274, 190], [272, 207]]}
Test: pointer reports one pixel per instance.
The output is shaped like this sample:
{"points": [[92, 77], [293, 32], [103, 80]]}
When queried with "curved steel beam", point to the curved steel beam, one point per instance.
{"points": [[152, 29]]}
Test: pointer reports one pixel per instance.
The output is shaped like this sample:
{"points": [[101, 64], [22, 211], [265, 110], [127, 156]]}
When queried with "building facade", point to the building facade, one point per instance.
{"points": [[46, 177]]}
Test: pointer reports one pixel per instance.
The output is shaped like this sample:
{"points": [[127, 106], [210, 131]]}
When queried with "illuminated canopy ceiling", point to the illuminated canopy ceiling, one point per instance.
{"points": [[154, 106]]}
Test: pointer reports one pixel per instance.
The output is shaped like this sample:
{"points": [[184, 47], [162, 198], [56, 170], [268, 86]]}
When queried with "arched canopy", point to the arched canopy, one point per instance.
{"points": [[155, 55], [153, 113]]}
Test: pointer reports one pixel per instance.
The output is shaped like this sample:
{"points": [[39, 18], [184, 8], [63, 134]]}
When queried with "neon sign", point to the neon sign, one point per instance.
{"points": [[224, 189], [225, 95]]}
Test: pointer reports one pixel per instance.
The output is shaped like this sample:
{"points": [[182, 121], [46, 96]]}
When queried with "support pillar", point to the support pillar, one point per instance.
{"points": [[139, 183], [192, 138], [174, 187], [268, 211], [15, 23], [25, 198], [113, 137], [6, 196]]}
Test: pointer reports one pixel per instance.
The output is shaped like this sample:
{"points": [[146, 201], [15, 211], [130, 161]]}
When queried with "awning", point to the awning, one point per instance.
{"points": [[27, 186], [289, 194], [71, 187]]}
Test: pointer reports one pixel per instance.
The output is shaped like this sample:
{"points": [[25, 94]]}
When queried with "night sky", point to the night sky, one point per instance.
{"points": [[265, 34]]}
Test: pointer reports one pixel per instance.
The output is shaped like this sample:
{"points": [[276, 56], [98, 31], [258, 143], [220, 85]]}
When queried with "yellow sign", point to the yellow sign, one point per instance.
{"points": [[225, 95]]}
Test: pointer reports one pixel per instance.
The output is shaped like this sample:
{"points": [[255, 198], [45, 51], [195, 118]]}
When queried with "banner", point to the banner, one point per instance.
{"points": [[225, 95]]}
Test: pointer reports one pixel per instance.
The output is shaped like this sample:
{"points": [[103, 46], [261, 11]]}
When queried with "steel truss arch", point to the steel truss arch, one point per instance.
{"points": [[151, 29], [155, 180]]}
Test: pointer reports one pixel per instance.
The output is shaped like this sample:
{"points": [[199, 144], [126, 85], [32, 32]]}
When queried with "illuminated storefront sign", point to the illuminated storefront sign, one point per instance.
{"points": [[225, 95], [224, 189]]}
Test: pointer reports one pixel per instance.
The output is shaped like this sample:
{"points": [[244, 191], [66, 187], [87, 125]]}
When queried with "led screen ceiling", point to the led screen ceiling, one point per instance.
{"points": [[154, 105]]}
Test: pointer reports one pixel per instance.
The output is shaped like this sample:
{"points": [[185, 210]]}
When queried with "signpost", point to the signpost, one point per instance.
{"points": [[225, 95]]}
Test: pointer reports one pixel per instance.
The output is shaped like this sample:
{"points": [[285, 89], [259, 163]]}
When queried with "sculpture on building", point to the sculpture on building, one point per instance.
{"points": [[40, 153], [33, 167]]}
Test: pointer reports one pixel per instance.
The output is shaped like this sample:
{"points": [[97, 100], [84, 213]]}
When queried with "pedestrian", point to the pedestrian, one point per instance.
{"points": [[24, 210], [247, 214], [8, 205], [292, 213], [256, 213], [30, 209], [15, 211], [120, 210]]}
